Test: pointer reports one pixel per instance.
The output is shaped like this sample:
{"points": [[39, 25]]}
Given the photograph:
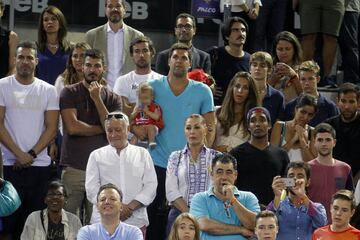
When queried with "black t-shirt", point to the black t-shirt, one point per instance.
{"points": [[55, 231], [5, 51], [347, 148], [257, 168], [223, 68]]}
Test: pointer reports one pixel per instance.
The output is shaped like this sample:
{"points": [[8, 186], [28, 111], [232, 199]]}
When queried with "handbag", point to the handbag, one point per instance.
{"points": [[9, 199]]}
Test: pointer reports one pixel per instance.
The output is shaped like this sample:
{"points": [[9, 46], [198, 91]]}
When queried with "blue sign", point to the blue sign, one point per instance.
{"points": [[206, 8]]}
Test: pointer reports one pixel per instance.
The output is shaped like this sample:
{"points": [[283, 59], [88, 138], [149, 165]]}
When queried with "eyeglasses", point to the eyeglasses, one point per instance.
{"points": [[186, 26], [115, 115]]}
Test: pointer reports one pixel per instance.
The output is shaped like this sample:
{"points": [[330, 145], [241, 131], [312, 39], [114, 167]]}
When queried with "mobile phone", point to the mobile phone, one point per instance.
{"points": [[289, 182]]}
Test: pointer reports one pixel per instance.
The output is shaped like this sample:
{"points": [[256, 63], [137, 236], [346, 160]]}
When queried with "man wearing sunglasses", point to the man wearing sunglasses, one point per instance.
{"points": [[84, 106], [127, 166]]}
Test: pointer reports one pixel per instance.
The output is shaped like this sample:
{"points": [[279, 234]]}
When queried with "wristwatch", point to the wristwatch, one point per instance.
{"points": [[32, 153]]}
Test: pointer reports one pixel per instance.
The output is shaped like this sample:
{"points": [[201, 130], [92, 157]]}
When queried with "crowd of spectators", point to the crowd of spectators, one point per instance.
{"points": [[98, 145]]}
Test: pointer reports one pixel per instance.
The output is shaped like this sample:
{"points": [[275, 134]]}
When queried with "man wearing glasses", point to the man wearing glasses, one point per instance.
{"points": [[185, 30], [84, 106], [127, 166]]}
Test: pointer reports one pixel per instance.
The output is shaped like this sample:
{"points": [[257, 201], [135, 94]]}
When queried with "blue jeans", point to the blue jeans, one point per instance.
{"points": [[349, 47], [271, 21]]}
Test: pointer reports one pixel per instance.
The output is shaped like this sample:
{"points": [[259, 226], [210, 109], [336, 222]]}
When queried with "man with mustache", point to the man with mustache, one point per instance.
{"points": [[126, 86], [347, 127], [185, 30], [113, 38], [84, 106], [226, 61], [224, 212]]}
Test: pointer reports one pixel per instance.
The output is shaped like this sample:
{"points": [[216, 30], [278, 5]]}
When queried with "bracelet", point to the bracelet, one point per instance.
{"points": [[32, 153], [233, 199]]}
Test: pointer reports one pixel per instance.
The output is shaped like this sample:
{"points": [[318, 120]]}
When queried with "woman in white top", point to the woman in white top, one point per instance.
{"points": [[231, 128], [296, 136], [188, 169]]}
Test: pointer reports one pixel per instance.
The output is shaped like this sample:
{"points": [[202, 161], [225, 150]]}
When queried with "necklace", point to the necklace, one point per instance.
{"points": [[56, 46]]}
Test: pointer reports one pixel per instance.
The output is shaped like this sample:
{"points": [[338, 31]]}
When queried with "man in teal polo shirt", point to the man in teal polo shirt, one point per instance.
{"points": [[223, 211]]}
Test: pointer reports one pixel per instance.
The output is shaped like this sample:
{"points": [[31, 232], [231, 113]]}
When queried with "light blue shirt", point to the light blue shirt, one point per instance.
{"points": [[196, 98], [97, 231], [206, 204]]}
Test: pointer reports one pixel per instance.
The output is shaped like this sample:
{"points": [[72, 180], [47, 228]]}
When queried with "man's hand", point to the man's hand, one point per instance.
{"points": [[95, 90], [126, 212], [246, 232], [278, 186], [253, 14], [23, 160], [228, 191], [53, 151], [299, 189]]}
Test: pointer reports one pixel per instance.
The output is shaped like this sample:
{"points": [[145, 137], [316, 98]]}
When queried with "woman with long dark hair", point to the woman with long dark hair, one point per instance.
{"points": [[240, 96], [287, 56], [53, 47], [296, 136]]}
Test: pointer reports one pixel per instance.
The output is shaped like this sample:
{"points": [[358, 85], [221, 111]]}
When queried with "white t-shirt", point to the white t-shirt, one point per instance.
{"points": [[24, 115], [128, 84]]}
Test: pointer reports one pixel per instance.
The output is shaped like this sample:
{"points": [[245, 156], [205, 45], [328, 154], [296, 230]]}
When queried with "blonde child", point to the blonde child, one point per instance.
{"points": [[185, 228], [146, 117]]}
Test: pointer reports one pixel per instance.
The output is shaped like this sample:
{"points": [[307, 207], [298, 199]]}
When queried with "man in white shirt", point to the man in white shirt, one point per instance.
{"points": [[113, 38], [29, 113], [141, 51], [127, 166]]}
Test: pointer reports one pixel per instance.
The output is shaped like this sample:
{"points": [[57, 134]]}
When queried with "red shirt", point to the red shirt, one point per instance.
{"points": [[142, 119], [325, 233]]}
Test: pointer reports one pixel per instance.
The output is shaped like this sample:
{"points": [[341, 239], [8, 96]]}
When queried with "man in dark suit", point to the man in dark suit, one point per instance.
{"points": [[185, 30]]}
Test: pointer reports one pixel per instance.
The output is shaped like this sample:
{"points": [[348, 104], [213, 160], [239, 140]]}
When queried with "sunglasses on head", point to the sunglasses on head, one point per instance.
{"points": [[115, 115]]}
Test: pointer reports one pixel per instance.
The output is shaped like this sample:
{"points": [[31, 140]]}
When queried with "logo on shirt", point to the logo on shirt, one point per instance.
{"points": [[134, 86]]}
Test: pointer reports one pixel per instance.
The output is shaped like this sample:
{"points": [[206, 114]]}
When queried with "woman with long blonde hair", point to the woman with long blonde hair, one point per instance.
{"points": [[185, 227]]}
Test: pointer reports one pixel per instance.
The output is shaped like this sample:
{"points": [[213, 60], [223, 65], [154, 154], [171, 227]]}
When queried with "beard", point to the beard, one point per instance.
{"points": [[89, 79], [114, 17], [348, 115], [142, 64], [24, 72]]}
